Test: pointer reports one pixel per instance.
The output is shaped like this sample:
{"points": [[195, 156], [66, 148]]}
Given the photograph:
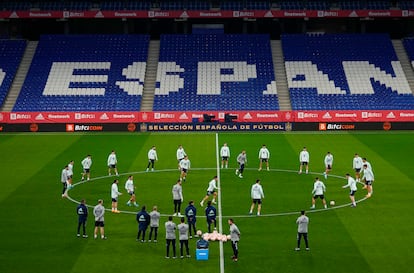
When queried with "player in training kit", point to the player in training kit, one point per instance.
{"points": [[353, 188], [99, 212], [112, 161], [211, 190], [225, 155], [185, 165], [152, 157], [242, 161], [211, 214], [183, 237], [64, 181], [264, 156], [177, 193], [328, 164], [82, 212], [86, 165], [70, 173], [191, 214], [302, 222], [368, 178], [357, 166], [257, 195], [180, 155], [318, 192], [170, 236], [130, 188], [143, 219], [304, 160], [154, 223], [114, 196], [235, 238]]}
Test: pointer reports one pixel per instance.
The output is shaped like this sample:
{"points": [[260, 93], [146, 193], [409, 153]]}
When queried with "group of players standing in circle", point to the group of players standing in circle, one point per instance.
{"points": [[144, 219]]}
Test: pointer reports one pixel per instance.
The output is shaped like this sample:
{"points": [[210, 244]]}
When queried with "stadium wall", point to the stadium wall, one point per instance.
{"points": [[216, 121]]}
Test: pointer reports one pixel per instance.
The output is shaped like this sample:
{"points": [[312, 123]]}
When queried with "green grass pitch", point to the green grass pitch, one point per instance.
{"points": [[38, 227]]}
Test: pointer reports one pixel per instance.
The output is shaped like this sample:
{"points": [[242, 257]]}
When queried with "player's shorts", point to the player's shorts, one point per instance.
{"points": [[257, 201], [131, 193], [225, 158], [368, 183], [357, 170], [82, 219], [99, 224], [304, 163], [210, 192], [114, 199], [112, 166], [70, 176], [352, 193], [179, 160], [316, 196], [177, 201], [329, 167], [184, 170], [151, 160], [86, 170], [264, 159]]}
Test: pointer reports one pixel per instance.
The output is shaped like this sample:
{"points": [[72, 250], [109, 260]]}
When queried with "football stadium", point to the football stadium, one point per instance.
{"points": [[285, 127]]}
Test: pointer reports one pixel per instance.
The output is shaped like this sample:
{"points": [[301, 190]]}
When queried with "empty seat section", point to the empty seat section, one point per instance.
{"points": [[85, 73], [215, 72], [344, 72], [11, 52]]}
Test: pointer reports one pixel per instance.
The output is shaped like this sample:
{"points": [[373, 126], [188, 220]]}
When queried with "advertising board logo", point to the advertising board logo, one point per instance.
{"points": [[322, 126], [34, 127], [70, 127]]}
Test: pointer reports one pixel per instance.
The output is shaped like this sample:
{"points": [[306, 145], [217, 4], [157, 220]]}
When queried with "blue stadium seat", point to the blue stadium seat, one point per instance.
{"points": [[215, 72], [11, 52], [355, 71], [85, 73]]}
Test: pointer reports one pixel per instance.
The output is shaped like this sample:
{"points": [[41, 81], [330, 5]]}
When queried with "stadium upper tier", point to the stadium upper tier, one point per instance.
{"points": [[205, 5], [215, 72], [11, 52], [347, 71], [85, 72]]}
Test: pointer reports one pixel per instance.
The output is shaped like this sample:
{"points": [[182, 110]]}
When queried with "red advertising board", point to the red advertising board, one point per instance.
{"points": [[194, 116], [176, 14]]}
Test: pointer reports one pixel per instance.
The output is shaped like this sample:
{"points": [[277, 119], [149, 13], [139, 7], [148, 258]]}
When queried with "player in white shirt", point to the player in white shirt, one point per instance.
{"points": [[264, 156], [328, 164], [353, 188], [152, 157], [64, 180], [130, 188], [368, 178], [225, 155], [211, 190], [112, 161], [114, 196], [86, 165], [318, 192], [357, 166], [304, 160], [185, 165], [180, 155], [70, 173], [257, 195]]}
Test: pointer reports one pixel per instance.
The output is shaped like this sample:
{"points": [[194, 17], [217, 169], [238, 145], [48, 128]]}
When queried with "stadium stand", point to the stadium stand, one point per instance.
{"points": [[344, 72], [85, 73], [215, 72], [11, 52]]}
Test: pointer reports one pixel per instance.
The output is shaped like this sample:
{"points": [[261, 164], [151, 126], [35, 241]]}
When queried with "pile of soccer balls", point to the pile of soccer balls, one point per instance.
{"points": [[214, 236]]}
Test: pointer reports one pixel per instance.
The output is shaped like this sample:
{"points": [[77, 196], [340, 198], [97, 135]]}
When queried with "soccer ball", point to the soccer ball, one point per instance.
{"points": [[332, 203]]}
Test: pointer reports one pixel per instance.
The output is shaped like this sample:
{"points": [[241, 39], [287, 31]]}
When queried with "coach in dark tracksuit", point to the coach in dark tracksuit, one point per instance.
{"points": [[143, 219], [82, 212], [211, 214]]}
